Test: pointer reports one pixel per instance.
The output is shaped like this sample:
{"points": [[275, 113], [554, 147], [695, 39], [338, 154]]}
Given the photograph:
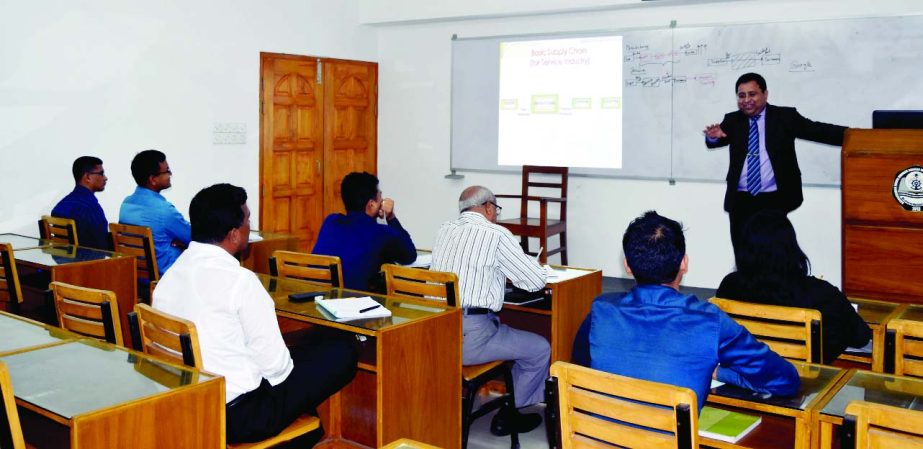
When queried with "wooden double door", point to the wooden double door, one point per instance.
{"points": [[318, 122]]}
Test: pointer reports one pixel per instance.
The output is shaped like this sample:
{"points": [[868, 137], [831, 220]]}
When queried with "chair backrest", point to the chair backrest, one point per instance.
{"points": [[421, 284], [792, 332], [139, 242], [165, 336], [875, 426], [87, 311], [598, 409], [59, 230], [10, 290], [904, 348], [307, 267], [529, 182], [10, 428]]}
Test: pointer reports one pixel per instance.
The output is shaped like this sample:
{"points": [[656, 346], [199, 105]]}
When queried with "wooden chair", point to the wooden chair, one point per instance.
{"points": [[59, 230], [139, 242], [541, 227], [174, 339], [875, 426], [10, 290], [307, 267], [595, 409], [406, 282], [904, 348], [792, 332], [10, 437], [88, 311]]}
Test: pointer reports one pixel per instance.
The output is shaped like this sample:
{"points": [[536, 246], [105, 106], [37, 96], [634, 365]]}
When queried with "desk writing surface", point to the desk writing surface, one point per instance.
{"points": [[896, 391], [82, 376], [17, 334], [912, 312], [814, 380], [874, 312], [53, 256], [402, 311], [23, 242]]}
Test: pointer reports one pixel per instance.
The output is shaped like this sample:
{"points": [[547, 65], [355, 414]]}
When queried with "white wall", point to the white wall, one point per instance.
{"points": [[414, 133], [110, 78]]}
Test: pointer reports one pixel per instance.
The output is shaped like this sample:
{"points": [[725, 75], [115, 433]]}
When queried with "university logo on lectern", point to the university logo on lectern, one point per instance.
{"points": [[908, 188]]}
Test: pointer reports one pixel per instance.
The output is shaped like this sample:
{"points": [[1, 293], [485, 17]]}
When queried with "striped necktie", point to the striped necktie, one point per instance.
{"points": [[754, 183]]}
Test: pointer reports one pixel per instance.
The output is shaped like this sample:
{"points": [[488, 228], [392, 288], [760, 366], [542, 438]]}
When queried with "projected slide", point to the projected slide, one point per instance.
{"points": [[561, 102]]}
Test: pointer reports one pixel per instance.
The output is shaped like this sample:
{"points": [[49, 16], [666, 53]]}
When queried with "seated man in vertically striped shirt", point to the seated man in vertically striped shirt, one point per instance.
{"points": [[484, 255]]}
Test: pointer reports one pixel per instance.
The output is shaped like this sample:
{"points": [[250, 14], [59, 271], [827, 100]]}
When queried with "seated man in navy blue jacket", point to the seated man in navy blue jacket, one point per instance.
{"points": [[361, 243], [654, 332]]}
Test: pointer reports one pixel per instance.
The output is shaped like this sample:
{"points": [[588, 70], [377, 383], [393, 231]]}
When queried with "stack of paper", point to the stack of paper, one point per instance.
{"points": [[724, 425], [345, 309]]}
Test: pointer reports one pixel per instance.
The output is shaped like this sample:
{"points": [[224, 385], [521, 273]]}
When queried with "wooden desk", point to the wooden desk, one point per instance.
{"points": [[558, 317], [876, 314], [787, 422], [409, 379], [861, 385], [86, 394], [262, 244], [86, 267], [18, 334], [23, 241]]}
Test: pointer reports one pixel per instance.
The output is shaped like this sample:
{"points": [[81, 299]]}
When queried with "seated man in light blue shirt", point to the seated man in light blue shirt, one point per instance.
{"points": [[147, 207]]}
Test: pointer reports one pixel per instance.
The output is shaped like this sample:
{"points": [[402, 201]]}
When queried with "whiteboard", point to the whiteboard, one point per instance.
{"points": [[679, 79]]}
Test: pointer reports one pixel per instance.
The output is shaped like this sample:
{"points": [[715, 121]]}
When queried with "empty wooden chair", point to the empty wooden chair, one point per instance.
{"points": [[875, 426], [541, 227], [415, 283], [174, 339], [11, 436], [904, 348], [792, 332], [590, 408], [139, 242], [307, 267], [59, 230], [10, 290], [87, 311]]}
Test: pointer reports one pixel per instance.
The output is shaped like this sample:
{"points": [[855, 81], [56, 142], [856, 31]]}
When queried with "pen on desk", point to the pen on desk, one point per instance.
{"points": [[370, 308], [538, 255]]}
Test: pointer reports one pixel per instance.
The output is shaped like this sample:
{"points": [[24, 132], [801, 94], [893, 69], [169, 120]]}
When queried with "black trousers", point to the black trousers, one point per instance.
{"points": [[746, 205], [321, 369]]}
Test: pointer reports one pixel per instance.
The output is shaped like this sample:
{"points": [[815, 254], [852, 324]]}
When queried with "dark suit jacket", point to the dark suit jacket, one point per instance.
{"points": [[783, 126]]}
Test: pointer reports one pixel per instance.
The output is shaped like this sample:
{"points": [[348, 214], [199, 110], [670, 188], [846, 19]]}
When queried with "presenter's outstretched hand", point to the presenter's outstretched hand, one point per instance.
{"points": [[714, 131]]}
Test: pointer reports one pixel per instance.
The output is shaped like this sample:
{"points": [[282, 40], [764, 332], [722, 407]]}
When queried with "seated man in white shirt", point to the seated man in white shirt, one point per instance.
{"points": [[484, 255], [267, 387]]}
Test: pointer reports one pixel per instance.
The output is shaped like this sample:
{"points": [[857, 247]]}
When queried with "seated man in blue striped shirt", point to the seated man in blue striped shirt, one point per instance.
{"points": [[484, 255], [82, 206]]}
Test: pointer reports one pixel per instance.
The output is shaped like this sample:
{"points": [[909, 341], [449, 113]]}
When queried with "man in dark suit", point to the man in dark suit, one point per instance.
{"points": [[763, 173]]}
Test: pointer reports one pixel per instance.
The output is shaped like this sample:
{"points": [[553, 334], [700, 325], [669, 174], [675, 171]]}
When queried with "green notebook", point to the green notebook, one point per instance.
{"points": [[724, 425]]}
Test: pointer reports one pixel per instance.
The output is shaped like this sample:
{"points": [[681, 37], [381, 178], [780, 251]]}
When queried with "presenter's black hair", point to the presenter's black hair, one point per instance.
{"points": [[747, 77], [215, 210], [654, 248], [357, 189], [146, 164], [83, 165]]}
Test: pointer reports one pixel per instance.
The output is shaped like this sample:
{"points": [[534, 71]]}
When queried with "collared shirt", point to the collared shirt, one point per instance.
{"points": [[148, 208], [484, 255], [234, 316], [656, 333], [363, 245], [82, 206]]}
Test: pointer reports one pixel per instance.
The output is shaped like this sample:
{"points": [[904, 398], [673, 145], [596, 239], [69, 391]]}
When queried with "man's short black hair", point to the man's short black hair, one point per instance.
{"points": [[83, 165], [146, 164], [215, 210], [747, 77], [357, 189], [654, 248]]}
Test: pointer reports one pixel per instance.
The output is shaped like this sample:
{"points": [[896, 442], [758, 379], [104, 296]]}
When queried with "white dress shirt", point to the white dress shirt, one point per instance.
{"points": [[234, 316], [767, 175], [484, 255]]}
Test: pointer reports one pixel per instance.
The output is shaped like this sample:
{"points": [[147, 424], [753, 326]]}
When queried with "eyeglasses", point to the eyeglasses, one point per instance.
{"points": [[497, 206], [100, 173], [165, 172]]}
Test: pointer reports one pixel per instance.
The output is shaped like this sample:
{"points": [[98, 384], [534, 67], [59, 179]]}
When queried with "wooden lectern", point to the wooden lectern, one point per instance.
{"points": [[882, 234]]}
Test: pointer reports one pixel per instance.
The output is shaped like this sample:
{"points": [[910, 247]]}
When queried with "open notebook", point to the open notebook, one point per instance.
{"points": [[345, 309]]}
